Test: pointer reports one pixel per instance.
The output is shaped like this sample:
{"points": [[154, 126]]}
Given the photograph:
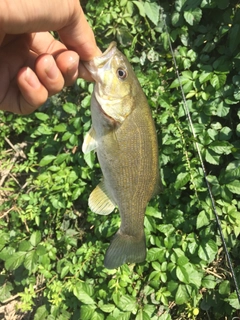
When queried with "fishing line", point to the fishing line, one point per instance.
{"points": [[187, 111]]}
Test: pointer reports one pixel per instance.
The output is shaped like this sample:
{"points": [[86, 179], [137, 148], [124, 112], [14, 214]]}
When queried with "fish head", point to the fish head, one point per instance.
{"points": [[115, 83]]}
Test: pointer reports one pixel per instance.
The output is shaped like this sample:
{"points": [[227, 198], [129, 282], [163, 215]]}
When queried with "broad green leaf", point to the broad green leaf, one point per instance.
{"points": [[5, 291], [152, 11], [221, 147], [218, 80], [182, 274], [86, 311], [41, 116], [182, 294], [60, 158], [109, 307], [234, 186], [156, 254], [182, 179], [223, 110], [179, 4], [233, 301], [193, 16], [205, 76], [224, 287], [35, 238], [175, 18], [13, 262], [97, 316], [125, 302], [70, 108], [153, 212], [208, 250], [31, 261], [41, 313], [234, 39], [46, 160], [141, 315], [61, 127], [140, 8], [82, 295], [209, 282], [202, 219], [212, 157]]}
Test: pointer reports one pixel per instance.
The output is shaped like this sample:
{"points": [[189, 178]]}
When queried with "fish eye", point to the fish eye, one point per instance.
{"points": [[121, 73]]}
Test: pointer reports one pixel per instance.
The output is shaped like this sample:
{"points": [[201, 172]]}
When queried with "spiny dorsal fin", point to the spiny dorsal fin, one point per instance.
{"points": [[99, 201], [90, 142]]}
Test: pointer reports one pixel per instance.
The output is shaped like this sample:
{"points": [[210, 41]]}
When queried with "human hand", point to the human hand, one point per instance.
{"points": [[33, 65]]}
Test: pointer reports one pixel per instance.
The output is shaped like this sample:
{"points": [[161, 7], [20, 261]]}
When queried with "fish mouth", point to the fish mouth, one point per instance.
{"points": [[101, 61]]}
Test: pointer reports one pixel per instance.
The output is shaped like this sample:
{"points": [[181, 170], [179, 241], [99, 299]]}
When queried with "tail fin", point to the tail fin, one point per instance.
{"points": [[123, 249]]}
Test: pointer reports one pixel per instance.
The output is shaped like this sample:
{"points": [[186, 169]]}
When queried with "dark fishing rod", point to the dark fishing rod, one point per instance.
{"points": [[188, 114]]}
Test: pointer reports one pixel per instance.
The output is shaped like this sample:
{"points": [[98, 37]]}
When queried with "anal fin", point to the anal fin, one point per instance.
{"points": [[99, 201]]}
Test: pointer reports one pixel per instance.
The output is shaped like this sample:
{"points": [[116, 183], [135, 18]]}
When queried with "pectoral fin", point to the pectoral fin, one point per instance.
{"points": [[99, 201], [90, 142]]}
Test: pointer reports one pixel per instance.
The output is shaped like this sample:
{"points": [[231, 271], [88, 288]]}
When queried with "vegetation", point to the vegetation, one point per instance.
{"points": [[52, 246]]}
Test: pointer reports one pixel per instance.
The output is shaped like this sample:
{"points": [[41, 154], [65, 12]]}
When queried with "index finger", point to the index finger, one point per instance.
{"points": [[78, 36]]}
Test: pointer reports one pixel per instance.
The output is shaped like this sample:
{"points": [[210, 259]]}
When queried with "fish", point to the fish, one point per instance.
{"points": [[123, 135]]}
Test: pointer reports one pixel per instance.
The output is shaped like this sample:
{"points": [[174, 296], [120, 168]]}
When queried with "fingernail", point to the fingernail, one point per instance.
{"points": [[31, 78], [51, 68], [73, 66]]}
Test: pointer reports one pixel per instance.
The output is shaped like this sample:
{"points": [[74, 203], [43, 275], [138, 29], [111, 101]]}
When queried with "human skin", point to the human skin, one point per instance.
{"points": [[34, 65]]}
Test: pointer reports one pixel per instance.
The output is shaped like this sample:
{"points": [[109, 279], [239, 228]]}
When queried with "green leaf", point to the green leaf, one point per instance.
{"points": [[109, 307], [5, 291], [205, 76], [82, 295], [87, 311], [152, 11], [41, 313], [35, 238], [233, 301], [234, 186], [154, 254], [41, 116], [182, 274], [193, 16], [224, 287], [218, 80], [61, 127], [97, 316], [212, 157], [46, 160], [208, 250], [125, 302], [13, 262], [182, 179], [202, 219], [221, 147], [31, 260], [209, 282], [182, 294], [70, 108], [60, 158], [141, 315], [140, 8], [234, 39]]}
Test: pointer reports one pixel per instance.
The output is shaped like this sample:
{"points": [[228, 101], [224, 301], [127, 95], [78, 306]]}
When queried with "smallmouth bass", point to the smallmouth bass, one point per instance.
{"points": [[124, 136]]}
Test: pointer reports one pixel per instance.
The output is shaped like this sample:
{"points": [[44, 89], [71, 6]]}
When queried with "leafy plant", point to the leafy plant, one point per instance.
{"points": [[52, 246]]}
